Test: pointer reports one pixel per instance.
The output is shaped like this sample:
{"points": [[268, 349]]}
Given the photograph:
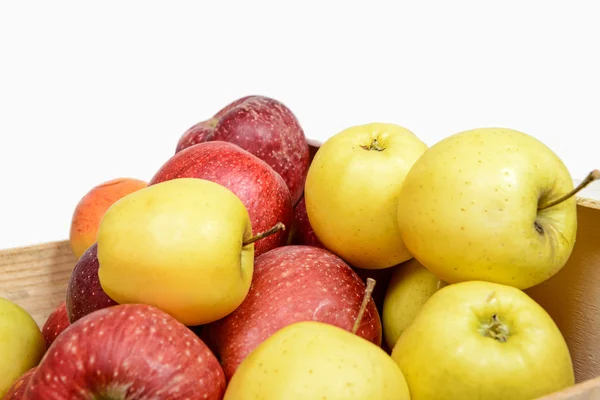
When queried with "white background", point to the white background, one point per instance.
{"points": [[91, 91]]}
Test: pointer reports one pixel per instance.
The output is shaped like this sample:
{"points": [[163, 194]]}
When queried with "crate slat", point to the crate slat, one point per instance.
{"points": [[36, 277], [588, 390]]}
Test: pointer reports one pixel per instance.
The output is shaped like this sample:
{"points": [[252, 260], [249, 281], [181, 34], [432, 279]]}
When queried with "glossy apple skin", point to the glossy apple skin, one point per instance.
{"points": [[22, 344], [56, 323], [266, 128], [469, 209], [452, 350], [84, 292], [261, 189], [409, 287], [290, 284], [178, 245], [315, 360], [132, 351], [17, 390], [303, 233], [352, 188]]}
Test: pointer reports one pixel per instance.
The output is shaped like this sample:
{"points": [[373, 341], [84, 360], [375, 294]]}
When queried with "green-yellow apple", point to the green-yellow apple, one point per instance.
{"points": [[351, 193], [22, 344], [481, 340], [183, 245], [411, 284], [315, 360], [477, 206]]}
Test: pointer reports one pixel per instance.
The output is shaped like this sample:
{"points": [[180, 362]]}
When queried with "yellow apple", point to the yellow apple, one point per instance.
{"points": [[473, 208], [22, 344], [351, 193], [178, 245], [411, 284], [481, 340], [314, 360]]}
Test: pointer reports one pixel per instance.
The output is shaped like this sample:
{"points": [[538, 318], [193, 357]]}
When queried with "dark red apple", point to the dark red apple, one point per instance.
{"points": [[128, 351], [261, 189], [303, 233], [56, 323], [290, 284], [266, 128], [84, 293], [201, 131], [17, 390]]}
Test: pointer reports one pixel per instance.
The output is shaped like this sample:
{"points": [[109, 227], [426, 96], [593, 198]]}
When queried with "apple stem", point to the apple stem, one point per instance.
{"points": [[276, 228], [592, 176], [365, 302], [374, 145]]}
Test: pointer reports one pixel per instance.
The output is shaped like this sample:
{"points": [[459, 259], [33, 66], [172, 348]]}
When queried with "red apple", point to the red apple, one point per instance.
{"points": [[266, 128], [17, 390], [201, 131], [261, 189], [290, 284], [128, 351], [55, 324], [303, 233], [84, 293]]}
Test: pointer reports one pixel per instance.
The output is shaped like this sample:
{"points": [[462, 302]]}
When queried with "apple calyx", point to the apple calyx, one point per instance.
{"points": [[365, 302], [374, 145], [276, 228], [495, 329], [592, 176]]}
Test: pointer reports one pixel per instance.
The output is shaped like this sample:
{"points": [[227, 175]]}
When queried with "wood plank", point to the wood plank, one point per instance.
{"points": [[572, 296], [36, 277], [587, 390]]}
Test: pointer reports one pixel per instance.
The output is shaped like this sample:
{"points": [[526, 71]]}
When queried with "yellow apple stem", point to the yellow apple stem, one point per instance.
{"points": [[276, 228], [365, 302], [374, 145], [592, 176], [496, 330]]}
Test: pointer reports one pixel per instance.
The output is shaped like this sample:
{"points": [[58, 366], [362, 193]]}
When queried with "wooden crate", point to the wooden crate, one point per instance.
{"points": [[35, 277]]}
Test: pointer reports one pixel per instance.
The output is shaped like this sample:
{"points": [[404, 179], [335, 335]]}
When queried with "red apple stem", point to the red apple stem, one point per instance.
{"points": [[365, 303], [592, 176], [276, 228]]}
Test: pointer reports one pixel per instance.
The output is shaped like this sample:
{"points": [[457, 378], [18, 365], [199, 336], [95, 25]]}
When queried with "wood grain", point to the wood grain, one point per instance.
{"points": [[36, 277], [572, 296], [588, 390]]}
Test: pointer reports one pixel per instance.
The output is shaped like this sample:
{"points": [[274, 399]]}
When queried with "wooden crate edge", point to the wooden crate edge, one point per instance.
{"points": [[586, 390], [42, 274]]}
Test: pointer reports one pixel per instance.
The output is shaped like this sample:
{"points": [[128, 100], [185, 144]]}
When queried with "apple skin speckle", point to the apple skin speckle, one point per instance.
{"points": [[266, 128], [84, 292], [291, 284], [55, 324], [261, 189], [100, 355]]}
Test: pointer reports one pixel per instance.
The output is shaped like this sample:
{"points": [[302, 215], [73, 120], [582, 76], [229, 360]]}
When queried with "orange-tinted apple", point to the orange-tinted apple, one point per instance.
{"points": [[91, 208]]}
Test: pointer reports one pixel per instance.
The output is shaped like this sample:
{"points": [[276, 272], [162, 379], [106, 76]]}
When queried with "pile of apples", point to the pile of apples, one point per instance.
{"points": [[254, 266]]}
